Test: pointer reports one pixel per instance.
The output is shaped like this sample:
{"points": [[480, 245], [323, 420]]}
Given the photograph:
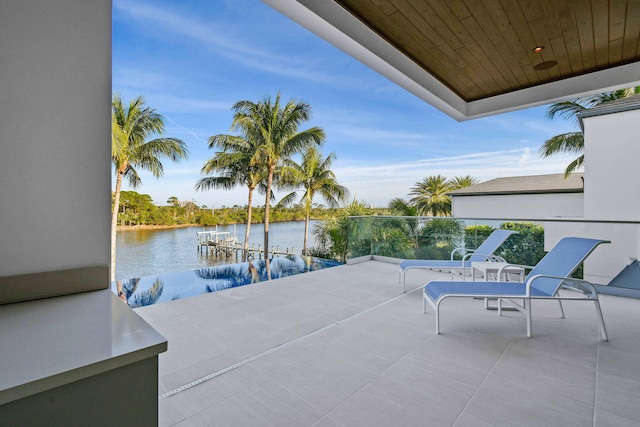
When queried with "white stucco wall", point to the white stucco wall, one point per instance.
{"points": [[55, 87], [612, 166], [608, 259], [611, 193], [523, 206]]}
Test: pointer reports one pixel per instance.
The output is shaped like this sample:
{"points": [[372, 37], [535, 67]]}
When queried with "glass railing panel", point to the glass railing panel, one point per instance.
{"points": [[437, 237]]}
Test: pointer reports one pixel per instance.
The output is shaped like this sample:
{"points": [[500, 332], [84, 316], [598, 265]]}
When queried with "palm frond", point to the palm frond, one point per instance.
{"points": [[212, 182], [132, 176], [288, 200], [573, 166], [571, 142]]}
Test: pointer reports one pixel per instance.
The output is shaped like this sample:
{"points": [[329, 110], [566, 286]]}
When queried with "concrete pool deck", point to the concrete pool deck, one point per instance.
{"points": [[344, 347]]}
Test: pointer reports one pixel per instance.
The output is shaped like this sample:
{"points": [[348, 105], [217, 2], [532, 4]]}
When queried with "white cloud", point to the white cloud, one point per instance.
{"points": [[524, 157], [379, 184]]}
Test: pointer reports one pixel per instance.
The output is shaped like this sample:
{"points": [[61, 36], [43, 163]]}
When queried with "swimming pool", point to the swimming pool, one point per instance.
{"points": [[157, 288]]}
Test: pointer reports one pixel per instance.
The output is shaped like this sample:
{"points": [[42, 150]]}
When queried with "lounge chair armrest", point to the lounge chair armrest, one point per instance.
{"points": [[579, 285], [508, 265], [461, 249]]}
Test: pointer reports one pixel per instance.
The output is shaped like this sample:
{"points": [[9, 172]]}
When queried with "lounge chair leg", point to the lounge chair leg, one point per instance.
{"points": [[499, 306], [561, 309], [603, 329], [527, 304], [437, 319], [424, 304]]}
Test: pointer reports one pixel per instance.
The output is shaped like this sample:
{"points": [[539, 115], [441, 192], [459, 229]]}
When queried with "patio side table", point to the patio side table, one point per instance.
{"points": [[490, 269]]}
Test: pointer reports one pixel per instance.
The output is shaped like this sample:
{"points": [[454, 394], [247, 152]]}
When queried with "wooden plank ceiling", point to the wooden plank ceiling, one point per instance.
{"points": [[482, 48]]}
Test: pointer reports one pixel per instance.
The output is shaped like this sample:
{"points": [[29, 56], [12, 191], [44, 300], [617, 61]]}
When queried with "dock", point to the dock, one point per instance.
{"points": [[224, 243]]}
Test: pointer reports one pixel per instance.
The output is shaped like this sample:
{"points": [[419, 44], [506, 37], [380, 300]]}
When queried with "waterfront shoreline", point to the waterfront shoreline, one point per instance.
{"points": [[144, 251], [153, 227], [169, 227]]}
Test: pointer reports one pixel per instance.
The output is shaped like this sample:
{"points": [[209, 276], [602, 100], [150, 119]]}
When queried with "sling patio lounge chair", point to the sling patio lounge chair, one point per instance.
{"points": [[543, 282], [484, 252]]}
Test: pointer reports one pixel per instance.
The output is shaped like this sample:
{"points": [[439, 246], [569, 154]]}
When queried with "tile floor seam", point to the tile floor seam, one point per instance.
{"points": [[226, 399], [383, 372], [275, 348], [325, 413], [489, 372], [331, 418], [595, 387]]}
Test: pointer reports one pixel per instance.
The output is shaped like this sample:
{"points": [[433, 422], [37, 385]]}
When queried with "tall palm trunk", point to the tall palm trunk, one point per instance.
{"points": [[246, 231], [306, 232], [266, 212], [114, 222]]}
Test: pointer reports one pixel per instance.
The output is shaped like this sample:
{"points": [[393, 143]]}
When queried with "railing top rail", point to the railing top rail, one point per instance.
{"points": [[551, 219]]}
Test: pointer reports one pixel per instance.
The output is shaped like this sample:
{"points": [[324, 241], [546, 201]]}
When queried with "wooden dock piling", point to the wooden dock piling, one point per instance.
{"points": [[220, 243]]}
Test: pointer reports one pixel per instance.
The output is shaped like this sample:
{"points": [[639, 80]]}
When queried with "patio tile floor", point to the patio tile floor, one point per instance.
{"points": [[344, 347]]}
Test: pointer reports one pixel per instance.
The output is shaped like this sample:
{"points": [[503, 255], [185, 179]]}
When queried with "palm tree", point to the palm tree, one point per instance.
{"points": [[573, 142], [314, 175], [430, 196], [275, 130], [130, 129], [399, 206], [459, 182], [234, 163]]}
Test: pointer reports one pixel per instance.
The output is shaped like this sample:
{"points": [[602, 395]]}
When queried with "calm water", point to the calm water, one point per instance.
{"points": [[158, 288], [147, 252]]}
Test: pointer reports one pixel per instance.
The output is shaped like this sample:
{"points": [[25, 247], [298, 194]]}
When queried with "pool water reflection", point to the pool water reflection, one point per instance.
{"points": [[157, 288]]}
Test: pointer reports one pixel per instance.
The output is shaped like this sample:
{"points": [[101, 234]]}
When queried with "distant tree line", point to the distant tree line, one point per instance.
{"points": [[140, 209]]}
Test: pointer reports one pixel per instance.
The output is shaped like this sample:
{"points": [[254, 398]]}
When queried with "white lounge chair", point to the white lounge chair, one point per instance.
{"points": [[543, 282], [484, 252]]}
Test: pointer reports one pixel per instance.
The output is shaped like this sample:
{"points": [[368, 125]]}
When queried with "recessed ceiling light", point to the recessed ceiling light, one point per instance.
{"points": [[538, 49]]}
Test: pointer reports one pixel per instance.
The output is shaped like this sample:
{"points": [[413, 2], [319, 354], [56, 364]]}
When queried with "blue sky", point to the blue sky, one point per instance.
{"points": [[192, 60]]}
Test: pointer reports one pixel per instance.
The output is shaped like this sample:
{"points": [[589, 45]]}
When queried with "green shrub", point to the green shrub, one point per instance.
{"points": [[526, 247], [474, 235], [438, 237]]}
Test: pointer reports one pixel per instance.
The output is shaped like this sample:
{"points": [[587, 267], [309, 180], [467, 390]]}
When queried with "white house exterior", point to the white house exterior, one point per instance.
{"points": [[603, 202], [612, 188], [521, 197]]}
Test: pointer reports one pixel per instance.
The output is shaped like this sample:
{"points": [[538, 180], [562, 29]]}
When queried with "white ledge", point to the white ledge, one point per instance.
{"points": [[52, 342]]}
